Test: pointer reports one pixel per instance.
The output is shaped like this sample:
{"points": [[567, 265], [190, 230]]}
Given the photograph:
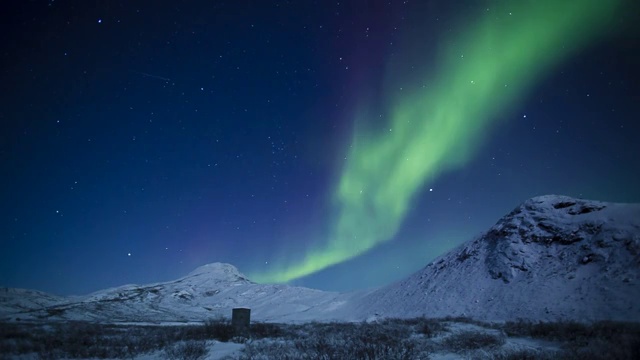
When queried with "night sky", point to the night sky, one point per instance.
{"points": [[335, 145]]}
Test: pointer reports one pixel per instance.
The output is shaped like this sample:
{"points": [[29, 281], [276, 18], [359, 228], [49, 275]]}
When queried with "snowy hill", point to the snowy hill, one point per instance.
{"points": [[209, 291], [552, 258], [23, 300]]}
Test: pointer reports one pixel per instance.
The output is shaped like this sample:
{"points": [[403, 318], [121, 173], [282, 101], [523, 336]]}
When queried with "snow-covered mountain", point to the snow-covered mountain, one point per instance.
{"points": [[23, 300], [553, 257], [210, 291]]}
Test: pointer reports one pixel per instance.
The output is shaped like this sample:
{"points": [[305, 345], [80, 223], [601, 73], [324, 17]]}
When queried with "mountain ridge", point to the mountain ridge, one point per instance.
{"points": [[552, 258]]}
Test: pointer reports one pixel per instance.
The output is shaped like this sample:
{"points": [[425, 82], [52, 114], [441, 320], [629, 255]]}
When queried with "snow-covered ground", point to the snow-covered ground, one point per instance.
{"points": [[419, 338], [216, 351]]}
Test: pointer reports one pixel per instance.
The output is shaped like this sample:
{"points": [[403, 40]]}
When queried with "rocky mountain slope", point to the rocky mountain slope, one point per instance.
{"points": [[552, 258]]}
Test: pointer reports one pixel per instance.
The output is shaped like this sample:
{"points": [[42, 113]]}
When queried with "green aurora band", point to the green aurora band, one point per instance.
{"points": [[482, 74]]}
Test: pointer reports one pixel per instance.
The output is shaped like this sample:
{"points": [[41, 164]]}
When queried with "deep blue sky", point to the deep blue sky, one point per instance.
{"points": [[142, 139]]}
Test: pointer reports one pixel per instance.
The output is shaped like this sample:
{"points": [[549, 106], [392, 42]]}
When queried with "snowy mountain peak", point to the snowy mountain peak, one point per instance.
{"points": [[551, 218], [551, 221], [553, 257], [219, 271], [559, 205]]}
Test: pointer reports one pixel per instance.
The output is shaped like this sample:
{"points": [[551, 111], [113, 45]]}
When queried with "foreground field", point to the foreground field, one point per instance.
{"points": [[419, 338]]}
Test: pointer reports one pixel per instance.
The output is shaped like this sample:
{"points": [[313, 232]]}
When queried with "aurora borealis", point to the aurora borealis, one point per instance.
{"points": [[491, 66], [335, 145]]}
